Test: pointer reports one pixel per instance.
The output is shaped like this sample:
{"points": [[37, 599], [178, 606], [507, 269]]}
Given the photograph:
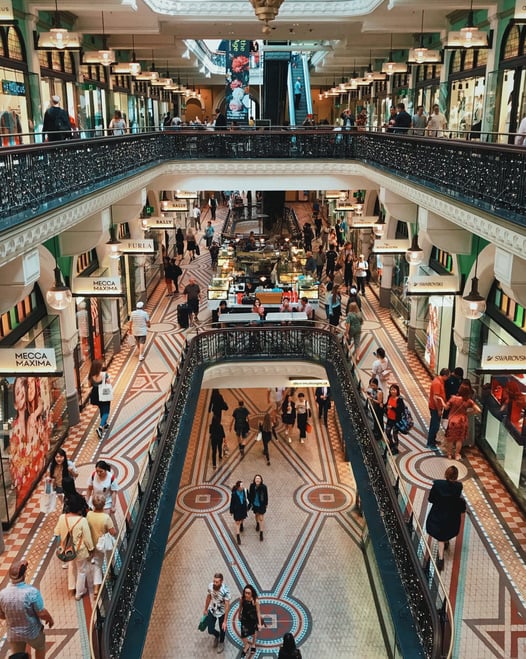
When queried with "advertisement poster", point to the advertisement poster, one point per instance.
{"points": [[432, 336], [237, 92], [31, 433]]}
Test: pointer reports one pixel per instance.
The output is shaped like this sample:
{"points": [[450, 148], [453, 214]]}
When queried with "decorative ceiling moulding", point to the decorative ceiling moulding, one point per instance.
{"points": [[312, 9]]}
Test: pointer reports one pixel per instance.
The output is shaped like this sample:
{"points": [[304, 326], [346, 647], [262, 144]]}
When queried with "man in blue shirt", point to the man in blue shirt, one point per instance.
{"points": [[297, 93], [22, 607], [402, 122]]}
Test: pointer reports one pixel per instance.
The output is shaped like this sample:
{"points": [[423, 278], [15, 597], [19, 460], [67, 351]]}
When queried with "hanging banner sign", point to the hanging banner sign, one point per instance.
{"points": [[6, 11], [520, 10], [144, 246], [237, 92], [394, 246], [160, 223], [503, 358], [432, 285], [28, 360], [364, 222], [90, 286]]}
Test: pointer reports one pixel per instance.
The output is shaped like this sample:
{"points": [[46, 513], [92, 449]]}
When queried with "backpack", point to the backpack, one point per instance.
{"points": [[62, 121], [406, 422], [67, 551]]}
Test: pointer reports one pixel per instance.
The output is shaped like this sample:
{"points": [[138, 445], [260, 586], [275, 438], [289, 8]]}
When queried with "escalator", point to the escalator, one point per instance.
{"points": [[299, 73]]}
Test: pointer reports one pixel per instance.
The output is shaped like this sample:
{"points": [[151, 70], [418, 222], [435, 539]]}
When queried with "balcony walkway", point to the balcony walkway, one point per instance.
{"points": [[485, 567]]}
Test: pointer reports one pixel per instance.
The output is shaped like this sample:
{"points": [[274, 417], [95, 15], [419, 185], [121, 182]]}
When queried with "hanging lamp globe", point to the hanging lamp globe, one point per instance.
{"points": [[473, 304], [414, 255], [59, 295]]}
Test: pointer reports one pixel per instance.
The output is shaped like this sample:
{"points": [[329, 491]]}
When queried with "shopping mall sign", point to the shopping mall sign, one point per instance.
{"points": [[93, 286], [393, 246], [6, 11], [144, 246], [28, 360], [501, 358], [432, 285]]}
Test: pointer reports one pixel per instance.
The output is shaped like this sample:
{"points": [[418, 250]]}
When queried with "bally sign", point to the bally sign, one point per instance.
{"points": [[503, 358], [432, 285], [28, 360], [97, 286], [143, 246], [395, 246], [160, 223]]}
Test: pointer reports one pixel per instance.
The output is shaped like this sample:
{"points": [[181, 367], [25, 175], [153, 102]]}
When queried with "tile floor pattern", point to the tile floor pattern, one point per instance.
{"points": [[485, 570]]}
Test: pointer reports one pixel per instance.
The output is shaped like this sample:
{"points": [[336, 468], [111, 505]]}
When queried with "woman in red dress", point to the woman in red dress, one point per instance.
{"points": [[459, 407]]}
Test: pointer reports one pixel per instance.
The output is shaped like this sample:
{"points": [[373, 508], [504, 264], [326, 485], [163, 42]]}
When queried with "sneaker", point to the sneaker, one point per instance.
{"points": [[290, 440], [141, 358], [432, 447], [100, 431], [440, 564], [106, 426], [220, 648], [302, 441], [216, 642]]}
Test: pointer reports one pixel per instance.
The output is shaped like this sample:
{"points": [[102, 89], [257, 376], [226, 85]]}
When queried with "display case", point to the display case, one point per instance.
{"points": [[218, 290]]}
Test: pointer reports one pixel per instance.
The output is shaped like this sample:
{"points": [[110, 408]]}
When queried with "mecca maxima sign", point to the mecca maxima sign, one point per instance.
{"points": [[395, 246], [28, 360], [144, 246], [503, 358], [92, 286], [432, 285]]}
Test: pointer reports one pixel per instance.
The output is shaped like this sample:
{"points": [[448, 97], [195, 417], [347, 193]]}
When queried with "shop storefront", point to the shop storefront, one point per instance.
{"points": [[509, 83], [426, 79], [502, 333], [33, 409], [58, 78], [393, 251], [16, 114], [93, 111], [467, 92]]}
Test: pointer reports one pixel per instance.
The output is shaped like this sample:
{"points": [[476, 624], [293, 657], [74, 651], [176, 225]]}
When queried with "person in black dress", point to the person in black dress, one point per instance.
{"points": [[239, 507], [250, 619], [179, 243], [445, 516], [288, 415], [258, 499], [217, 435]]}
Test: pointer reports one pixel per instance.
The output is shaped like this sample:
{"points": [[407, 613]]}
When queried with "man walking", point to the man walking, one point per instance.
{"points": [[323, 398], [193, 294], [22, 607], [139, 324], [209, 234], [217, 605], [212, 204], [56, 122], [196, 212], [437, 399]]}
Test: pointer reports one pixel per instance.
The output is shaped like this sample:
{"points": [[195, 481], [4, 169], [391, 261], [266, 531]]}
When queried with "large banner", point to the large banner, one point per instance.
{"points": [[237, 80]]}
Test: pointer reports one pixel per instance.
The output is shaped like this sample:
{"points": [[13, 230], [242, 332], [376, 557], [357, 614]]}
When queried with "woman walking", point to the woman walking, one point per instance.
{"points": [[99, 523], [239, 508], [240, 425], [103, 481], [97, 376], [59, 469], [289, 650], [75, 524], [459, 407], [447, 507], [217, 435], [217, 404], [250, 618], [353, 324], [288, 415], [179, 243], [376, 399], [265, 429], [394, 408], [335, 306], [258, 499], [190, 243], [303, 412]]}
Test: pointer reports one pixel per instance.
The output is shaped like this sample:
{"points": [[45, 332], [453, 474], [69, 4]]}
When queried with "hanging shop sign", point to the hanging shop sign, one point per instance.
{"points": [[503, 358], [6, 11], [394, 246], [93, 286], [144, 246], [520, 10], [365, 222], [304, 383], [13, 88], [28, 360], [432, 285], [160, 223], [174, 206]]}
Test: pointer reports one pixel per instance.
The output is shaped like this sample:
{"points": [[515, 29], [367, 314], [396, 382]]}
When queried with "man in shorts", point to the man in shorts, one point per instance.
{"points": [[139, 324], [193, 295], [22, 607]]}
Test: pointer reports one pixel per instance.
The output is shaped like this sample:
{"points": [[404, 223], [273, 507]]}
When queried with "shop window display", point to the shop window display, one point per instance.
{"points": [[507, 402]]}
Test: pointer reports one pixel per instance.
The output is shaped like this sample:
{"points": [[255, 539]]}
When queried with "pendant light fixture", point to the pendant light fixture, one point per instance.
{"points": [[473, 305], [414, 255], [105, 56], [421, 54], [114, 244], [392, 67], [58, 38], [469, 36], [59, 295]]}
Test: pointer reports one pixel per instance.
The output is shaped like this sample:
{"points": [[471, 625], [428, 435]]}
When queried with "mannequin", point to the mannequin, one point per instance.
{"points": [[11, 128]]}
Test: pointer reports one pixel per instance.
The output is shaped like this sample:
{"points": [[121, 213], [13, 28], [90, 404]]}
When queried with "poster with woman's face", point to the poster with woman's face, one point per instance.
{"points": [[31, 432], [432, 334]]}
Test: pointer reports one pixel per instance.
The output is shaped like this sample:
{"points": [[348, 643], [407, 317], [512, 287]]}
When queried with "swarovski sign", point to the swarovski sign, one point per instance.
{"points": [[503, 358]]}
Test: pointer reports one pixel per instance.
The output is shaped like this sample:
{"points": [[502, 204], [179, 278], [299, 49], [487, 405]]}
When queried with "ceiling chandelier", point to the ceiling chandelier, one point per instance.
{"points": [[266, 11], [105, 56], [421, 54], [468, 36]]}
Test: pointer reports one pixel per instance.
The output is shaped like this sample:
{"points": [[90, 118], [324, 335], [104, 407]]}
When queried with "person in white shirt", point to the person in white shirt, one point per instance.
{"points": [[139, 323], [196, 212], [118, 124], [520, 138], [360, 273], [436, 124]]}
